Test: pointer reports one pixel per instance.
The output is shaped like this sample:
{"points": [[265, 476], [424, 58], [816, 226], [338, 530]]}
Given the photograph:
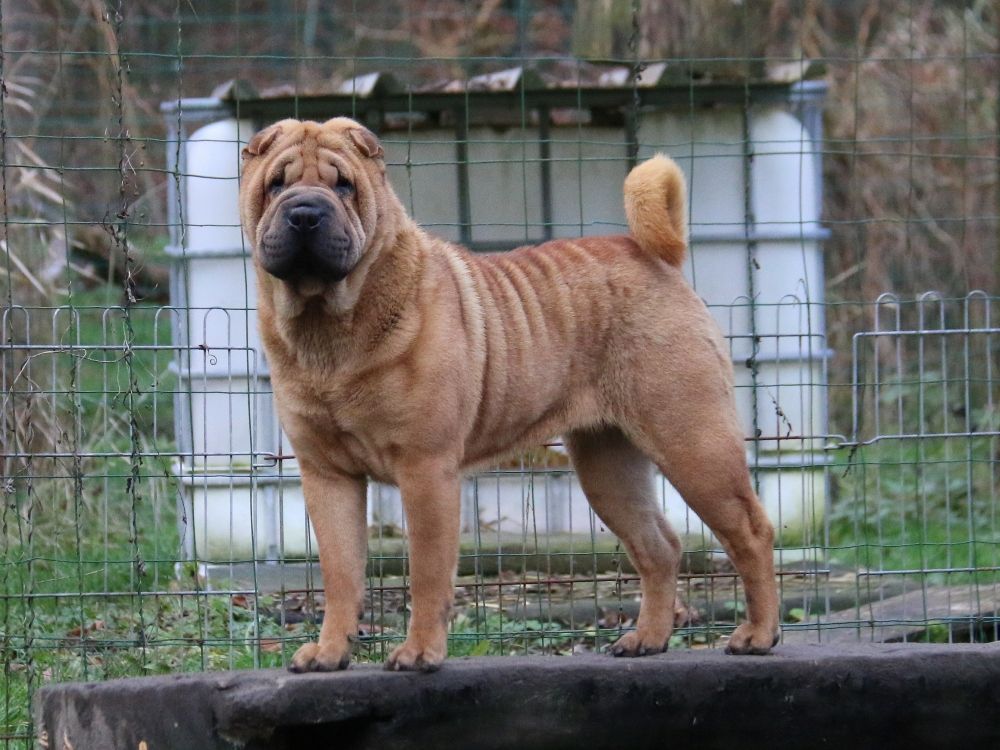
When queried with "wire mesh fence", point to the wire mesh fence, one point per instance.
{"points": [[153, 518]]}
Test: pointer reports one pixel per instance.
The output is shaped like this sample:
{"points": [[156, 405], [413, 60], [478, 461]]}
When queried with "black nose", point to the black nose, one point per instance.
{"points": [[304, 219]]}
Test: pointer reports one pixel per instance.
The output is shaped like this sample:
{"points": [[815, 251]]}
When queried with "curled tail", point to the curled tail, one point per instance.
{"points": [[656, 208]]}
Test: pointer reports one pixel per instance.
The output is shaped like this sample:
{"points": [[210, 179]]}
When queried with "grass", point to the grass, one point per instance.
{"points": [[916, 499], [76, 525]]}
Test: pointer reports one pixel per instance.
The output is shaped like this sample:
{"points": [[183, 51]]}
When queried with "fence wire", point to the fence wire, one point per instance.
{"points": [[842, 159]]}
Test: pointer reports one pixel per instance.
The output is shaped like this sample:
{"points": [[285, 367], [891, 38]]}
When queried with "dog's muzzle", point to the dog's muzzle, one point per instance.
{"points": [[306, 240]]}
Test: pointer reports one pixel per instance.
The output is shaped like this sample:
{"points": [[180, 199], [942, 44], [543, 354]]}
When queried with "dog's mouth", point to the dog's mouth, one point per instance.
{"points": [[306, 244], [328, 263]]}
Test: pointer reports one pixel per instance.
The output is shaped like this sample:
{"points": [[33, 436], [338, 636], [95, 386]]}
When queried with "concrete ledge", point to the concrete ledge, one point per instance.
{"points": [[801, 696]]}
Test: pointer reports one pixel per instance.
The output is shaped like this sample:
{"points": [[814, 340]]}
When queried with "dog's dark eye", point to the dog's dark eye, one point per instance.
{"points": [[276, 185], [344, 186]]}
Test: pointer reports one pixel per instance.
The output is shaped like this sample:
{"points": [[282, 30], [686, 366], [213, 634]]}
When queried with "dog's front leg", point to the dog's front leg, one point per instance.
{"points": [[431, 499], [337, 509]]}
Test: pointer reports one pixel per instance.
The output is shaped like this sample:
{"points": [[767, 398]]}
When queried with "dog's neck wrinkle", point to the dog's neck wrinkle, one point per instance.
{"points": [[316, 339], [399, 270]]}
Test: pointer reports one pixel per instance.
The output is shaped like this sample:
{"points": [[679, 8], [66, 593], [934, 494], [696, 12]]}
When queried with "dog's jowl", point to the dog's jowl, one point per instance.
{"points": [[401, 357]]}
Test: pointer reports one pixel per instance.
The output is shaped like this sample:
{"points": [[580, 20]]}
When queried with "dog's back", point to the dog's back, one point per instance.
{"points": [[569, 332]]}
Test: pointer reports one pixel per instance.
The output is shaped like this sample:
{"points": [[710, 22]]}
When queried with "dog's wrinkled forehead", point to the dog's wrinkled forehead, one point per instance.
{"points": [[339, 134]]}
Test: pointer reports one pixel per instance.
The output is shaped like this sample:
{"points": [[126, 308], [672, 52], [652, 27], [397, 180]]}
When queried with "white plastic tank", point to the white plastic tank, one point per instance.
{"points": [[759, 270], [211, 186]]}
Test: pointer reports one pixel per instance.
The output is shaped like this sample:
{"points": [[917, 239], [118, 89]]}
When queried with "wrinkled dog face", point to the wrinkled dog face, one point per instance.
{"points": [[306, 197]]}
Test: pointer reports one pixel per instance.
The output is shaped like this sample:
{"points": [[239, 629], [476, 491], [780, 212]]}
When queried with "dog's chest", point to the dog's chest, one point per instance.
{"points": [[341, 421]]}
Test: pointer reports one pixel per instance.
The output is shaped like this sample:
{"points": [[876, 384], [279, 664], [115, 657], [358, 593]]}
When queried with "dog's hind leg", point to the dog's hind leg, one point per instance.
{"points": [[706, 464], [618, 481]]}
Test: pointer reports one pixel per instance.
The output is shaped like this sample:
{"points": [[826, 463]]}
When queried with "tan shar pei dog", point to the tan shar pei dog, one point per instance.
{"points": [[402, 357]]}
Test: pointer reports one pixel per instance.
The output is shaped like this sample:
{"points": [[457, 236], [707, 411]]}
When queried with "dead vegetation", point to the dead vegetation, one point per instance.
{"points": [[911, 118]]}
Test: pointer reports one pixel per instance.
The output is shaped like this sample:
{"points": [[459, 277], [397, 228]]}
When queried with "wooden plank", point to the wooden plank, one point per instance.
{"points": [[899, 618]]}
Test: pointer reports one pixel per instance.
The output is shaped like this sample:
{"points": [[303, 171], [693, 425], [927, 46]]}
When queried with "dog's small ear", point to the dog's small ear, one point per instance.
{"points": [[366, 142], [262, 141]]}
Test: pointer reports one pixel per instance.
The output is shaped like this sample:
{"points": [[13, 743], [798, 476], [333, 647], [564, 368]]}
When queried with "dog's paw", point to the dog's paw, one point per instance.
{"points": [[753, 640], [316, 657], [638, 643], [413, 657]]}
